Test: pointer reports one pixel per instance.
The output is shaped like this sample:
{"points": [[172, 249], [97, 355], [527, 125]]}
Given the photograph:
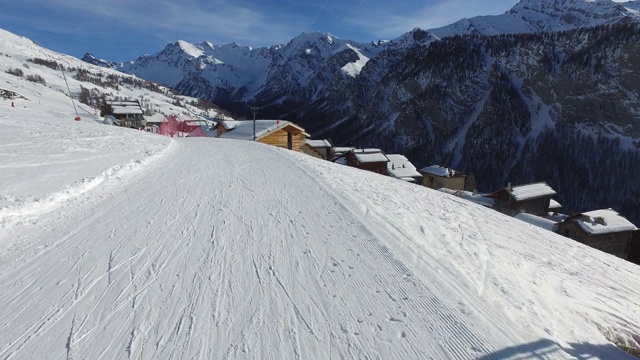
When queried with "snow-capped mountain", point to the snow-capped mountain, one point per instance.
{"points": [[532, 16], [235, 74], [483, 102], [89, 58]]}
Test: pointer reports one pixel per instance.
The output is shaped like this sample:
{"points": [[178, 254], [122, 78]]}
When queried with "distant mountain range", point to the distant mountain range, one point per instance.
{"points": [[242, 73], [548, 91]]}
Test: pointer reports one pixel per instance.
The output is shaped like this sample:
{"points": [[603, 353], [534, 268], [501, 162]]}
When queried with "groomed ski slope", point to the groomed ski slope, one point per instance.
{"points": [[117, 244]]}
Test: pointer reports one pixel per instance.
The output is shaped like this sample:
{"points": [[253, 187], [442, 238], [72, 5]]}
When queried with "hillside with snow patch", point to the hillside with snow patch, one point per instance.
{"points": [[33, 72]]}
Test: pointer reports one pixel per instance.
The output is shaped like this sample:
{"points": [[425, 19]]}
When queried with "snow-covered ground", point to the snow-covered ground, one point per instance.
{"points": [[116, 243]]}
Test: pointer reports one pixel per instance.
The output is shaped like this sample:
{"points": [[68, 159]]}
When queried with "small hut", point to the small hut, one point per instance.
{"points": [[437, 177], [127, 113], [531, 198], [367, 159], [401, 168], [279, 133]]}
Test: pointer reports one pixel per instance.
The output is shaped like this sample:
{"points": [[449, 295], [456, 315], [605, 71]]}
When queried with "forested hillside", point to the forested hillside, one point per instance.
{"points": [[558, 107]]}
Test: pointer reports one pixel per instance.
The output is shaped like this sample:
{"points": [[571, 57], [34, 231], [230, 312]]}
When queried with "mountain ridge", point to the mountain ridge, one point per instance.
{"points": [[531, 16]]}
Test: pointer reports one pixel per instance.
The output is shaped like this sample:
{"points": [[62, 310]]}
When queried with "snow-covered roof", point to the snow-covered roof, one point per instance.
{"points": [[369, 155], [341, 149], [243, 129], [479, 199], [531, 191], [537, 221], [121, 110], [121, 107], [439, 171], [557, 217], [553, 204], [400, 167], [318, 143], [604, 221], [123, 103]]}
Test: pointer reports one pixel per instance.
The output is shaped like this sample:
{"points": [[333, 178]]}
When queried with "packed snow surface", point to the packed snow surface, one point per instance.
{"points": [[115, 243]]}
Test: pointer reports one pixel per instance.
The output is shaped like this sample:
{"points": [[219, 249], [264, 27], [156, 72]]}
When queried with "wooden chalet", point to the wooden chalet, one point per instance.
{"points": [[127, 113], [401, 168], [604, 230], [317, 148], [279, 133], [437, 177], [531, 198], [367, 159]]}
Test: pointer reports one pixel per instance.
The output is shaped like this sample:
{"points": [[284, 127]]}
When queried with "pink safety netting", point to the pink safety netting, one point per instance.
{"points": [[174, 126], [169, 126]]}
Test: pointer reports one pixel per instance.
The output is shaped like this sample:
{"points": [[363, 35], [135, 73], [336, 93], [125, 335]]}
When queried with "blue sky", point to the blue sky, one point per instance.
{"points": [[121, 30]]}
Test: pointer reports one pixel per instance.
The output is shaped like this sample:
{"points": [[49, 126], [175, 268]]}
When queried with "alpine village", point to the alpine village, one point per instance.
{"points": [[531, 114]]}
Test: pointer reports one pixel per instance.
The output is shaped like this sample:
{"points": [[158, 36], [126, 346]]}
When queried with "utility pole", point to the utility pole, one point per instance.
{"points": [[71, 96], [254, 111]]}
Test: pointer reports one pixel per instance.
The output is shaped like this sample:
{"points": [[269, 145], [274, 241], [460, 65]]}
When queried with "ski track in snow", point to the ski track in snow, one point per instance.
{"points": [[261, 262], [217, 273]]}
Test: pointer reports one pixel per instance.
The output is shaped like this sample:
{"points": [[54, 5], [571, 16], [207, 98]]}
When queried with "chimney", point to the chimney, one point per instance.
{"points": [[600, 220]]}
